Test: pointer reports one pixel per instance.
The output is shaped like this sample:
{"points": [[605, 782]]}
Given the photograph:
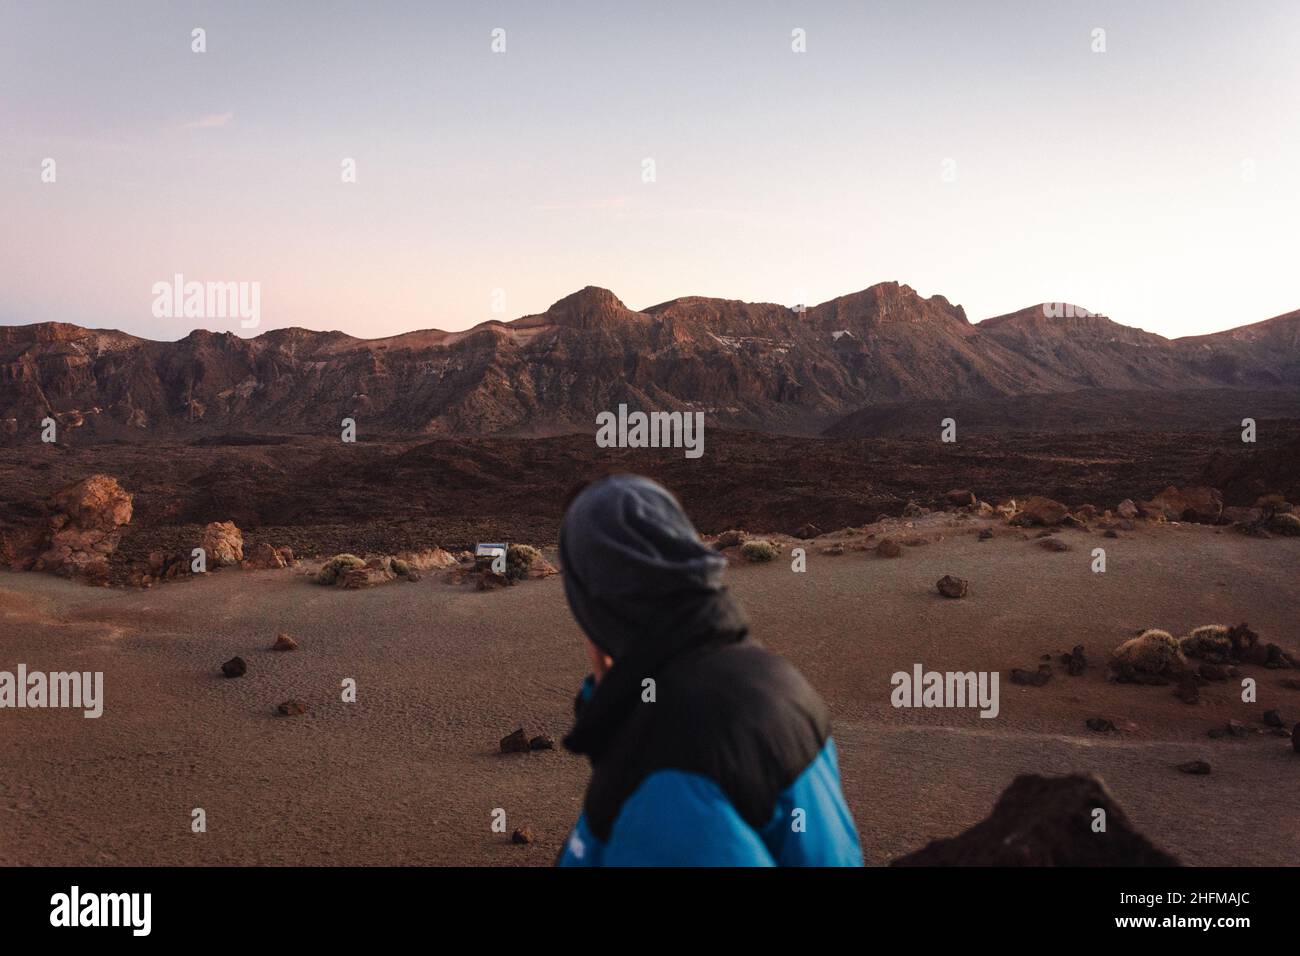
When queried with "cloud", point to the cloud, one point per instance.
{"points": [[211, 121]]}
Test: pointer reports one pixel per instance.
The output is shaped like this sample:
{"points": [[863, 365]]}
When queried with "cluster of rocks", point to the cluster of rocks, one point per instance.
{"points": [[522, 562], [350, 572], [518, 742], [1075, 663], [223, 546], [237, 667]]}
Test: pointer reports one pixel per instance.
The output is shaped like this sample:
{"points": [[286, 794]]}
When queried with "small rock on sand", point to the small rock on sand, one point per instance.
{"points": [[888, 548], [834, 550], [283, 642], [1053, 544], [985, 534], [1273, 718], [1075, 663], [1032, 678], [1197, 767], [515, 743], [542, 742], [1100, 724], [235, 667], [522, 835], [952, 587], [293, 707]]}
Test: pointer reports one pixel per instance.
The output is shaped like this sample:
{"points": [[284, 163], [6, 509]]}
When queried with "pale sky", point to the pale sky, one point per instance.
{"points": [[1157, 182]]}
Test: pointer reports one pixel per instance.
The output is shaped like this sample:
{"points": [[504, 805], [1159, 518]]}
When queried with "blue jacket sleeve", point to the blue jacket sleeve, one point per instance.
{"points": [[811, 825], [682, 819]]}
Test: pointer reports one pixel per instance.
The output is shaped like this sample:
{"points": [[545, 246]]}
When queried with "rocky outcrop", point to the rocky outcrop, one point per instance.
{"points": [[85, 529], [1047, 821]]}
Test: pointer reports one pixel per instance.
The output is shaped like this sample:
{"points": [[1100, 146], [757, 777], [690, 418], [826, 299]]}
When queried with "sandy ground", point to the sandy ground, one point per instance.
{"points": [[410, 774]]}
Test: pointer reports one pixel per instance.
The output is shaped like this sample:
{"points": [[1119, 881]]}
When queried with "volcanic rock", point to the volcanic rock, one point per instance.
{"points": [[1053, 544], [223, 544], [960, 498], [807, 532], [888, 548], [265, 557], [1273, 718], [1032, 678], [283, 642], [1100, 724], [515, 742], [985, 534], [1039, 510], [294, 707], [84, 529], [1127, 509], [952, 587], [235, 667], [1075, 662], [1046, 821], [522, 835], [1186, 504], [1197, 767], [542, 742]]}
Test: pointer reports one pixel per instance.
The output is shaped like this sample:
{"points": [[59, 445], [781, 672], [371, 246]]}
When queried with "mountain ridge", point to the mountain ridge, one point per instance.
{"points": [[749, 365]]}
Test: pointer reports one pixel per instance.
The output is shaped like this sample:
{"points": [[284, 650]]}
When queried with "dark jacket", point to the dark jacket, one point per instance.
{"points": [[706, 748]]}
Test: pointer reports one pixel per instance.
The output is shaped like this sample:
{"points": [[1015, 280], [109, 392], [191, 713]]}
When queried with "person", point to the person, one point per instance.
{"points": [[706, 748]]}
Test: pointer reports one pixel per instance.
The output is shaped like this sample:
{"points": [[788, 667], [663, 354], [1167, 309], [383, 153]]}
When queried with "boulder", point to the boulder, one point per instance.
{"points": [[1039, 510], [265, 557], [85, 529], [960, 498], [1196, 503], [1127, 509], [223, 543], [1046, 821]]}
